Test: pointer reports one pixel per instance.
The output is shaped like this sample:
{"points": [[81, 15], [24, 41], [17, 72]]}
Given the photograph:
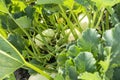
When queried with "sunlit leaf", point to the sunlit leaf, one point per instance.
{"points": [[105, 3], [18, 5], [69, 3], [49, 1], [3, 7], [3, 32]]}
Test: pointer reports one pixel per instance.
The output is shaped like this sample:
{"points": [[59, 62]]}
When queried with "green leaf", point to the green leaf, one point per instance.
{"points": [[84, 2], [49, 1], [3, 32], [3, 7], [73, 51], [10, 77], [10, 58], [90, 76], [89, 40], [24, 22], [70, 70], [8, 64], [115, 12], [8, 48], [112, 39], [105, 3], [116, 75], [105, 64], [18, 5], [85, 62], [7, 22], [61, 59], [69, 3], [17, 41], [109, 74], [58, 77], [72, 73]]}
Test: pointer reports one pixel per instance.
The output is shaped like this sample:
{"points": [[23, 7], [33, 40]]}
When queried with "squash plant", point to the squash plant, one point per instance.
{"points": [[91, 57], [69, 37]]}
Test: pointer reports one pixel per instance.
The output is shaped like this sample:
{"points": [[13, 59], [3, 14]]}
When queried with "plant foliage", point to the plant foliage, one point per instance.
{"points": [[75, 39]]}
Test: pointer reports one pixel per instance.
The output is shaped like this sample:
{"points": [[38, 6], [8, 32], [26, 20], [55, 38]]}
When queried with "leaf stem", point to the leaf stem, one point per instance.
{"points": [[70, 24], [32, 44], [100, 17], [94, 18], [107, 19], [38, 70], [76, 21]]}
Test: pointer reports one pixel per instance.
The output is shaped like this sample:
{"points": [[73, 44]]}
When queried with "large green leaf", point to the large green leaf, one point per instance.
{"points": [[85, 62], [10, 58], [49, 1], [89, 41], [3, 7], [8, 48], [8, 64], [112, 39]]}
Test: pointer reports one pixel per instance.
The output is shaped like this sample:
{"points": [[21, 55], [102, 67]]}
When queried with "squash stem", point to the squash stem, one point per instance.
{"points": [[38, 70]]}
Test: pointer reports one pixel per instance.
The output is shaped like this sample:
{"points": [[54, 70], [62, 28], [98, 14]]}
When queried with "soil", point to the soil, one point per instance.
{"points": [[21, 74]]}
